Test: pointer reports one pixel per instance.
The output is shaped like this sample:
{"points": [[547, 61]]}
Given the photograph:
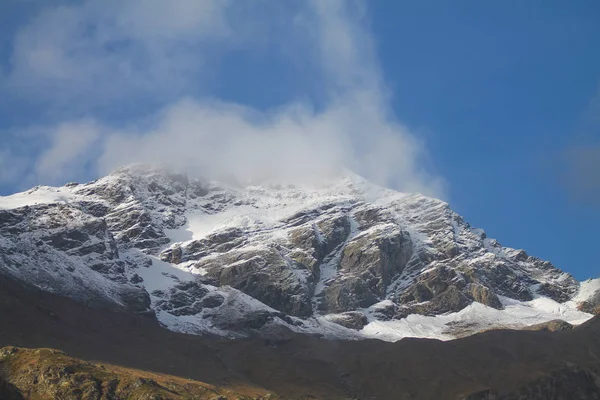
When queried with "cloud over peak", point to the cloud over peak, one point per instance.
{"points": [[146, 46]]}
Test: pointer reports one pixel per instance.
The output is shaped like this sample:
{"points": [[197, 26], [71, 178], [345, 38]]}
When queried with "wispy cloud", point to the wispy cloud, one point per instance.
{"points": [[579, 165], [297, 141], [102, 50], [70, 150], [11, 167], [582, 173]]}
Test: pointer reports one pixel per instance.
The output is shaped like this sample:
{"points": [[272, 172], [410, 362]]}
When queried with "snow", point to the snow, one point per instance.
{"points": [[587, 290], [475, 317], [162, 275], [38, 195], [189, 324], [328, 268], [262, 209], [201, 224]]}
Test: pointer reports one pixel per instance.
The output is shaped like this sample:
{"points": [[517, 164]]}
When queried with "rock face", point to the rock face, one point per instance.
{"points": [[207, 257], [66, 250], [591, 305], [351, 319]]}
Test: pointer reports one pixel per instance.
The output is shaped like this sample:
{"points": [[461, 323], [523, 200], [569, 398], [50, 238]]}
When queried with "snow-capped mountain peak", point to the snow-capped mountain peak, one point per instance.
{"points": [[342, 257]]}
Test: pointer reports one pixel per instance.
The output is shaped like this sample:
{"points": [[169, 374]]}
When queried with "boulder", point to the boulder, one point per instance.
{"points": [[352, 320]]}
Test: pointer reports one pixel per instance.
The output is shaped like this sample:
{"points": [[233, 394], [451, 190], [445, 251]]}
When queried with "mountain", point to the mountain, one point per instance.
{"points": [[341, 259]]}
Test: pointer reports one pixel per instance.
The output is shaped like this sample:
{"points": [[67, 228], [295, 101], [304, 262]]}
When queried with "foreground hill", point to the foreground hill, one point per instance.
{"points": [[51, 374]]}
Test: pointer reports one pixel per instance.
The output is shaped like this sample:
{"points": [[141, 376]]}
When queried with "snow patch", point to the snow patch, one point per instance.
{"points": [[475, 317], [38, 195]]}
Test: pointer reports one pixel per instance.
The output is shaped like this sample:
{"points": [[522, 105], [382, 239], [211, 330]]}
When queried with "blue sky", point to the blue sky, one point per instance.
{"points": [[493, 106]]}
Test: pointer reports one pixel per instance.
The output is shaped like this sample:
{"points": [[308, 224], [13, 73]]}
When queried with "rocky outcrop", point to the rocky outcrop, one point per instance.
{"points": [[265, 275], [351, 320], [311, 244], [63, 248], [186, 298], [368, 264], [141, 203], [556, 325], [483, 295], [592, 304], [195, 250]]}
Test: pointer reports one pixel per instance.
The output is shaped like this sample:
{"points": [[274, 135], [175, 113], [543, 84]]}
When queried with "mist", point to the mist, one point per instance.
{"points": [[293, 145], [581, 175], [299, 141]]}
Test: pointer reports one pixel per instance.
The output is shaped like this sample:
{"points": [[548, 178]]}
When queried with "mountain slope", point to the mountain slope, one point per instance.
{"points": [[345, 259], [492, 365]]}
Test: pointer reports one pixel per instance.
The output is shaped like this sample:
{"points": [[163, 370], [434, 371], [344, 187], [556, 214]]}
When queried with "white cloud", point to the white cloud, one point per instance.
{"points": [[11, 167], [100, 50], [216, 140], [295, 142], [69, 150], [578, 167], [346, 47], [157, 19]]}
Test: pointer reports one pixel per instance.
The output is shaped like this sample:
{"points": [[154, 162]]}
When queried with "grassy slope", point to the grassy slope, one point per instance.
{"points": [[51, 374]]}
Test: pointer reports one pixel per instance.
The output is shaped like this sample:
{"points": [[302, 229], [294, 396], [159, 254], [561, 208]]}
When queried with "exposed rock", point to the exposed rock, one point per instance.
{"points": [[483, 295], [136, 299], [431, 284], [554, 292], [388, 310], [221, 242], [62, 247], [352, 320], [182, 299], [348, 295], [378, 257], [313, 243], [265, 275], [450, 300], [589, 307], [370, 216], [176, 255], [334, 230], [556, 325], [369, 263], [307, 250], [506, 280], [212, 300], [592, 305], [443, 290], [249, 321], [136, 279]]}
